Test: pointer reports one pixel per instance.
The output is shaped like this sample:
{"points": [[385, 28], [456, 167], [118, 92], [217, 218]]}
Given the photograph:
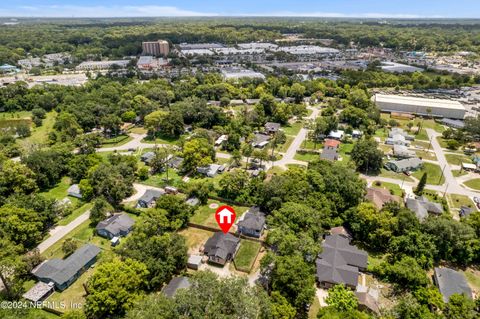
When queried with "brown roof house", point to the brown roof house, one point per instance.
{"points": [[340, 262], [380, 196]]}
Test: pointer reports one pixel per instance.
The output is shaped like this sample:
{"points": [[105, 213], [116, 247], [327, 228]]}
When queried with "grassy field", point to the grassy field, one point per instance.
{"points": [[310, 145], [205, 215], [345, 149], [457, 159], [458, 172], [293, 129], [276, 170], [162, 140], [75, 294], [434, 172], [159, 180], [399, 176], [284, 147], [422, 144], [426, 155], [473, 183], [77, 212], [40, 134], [60, 190], [116, 141], [422, 135], [195, 238], [246, 255], [442, 142], [458, 201], [393, 188], [307, 157]]}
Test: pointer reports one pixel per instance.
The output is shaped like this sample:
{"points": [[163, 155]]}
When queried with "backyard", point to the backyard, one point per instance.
{"points": [[205, 215], [245, 257], [195, 238]]}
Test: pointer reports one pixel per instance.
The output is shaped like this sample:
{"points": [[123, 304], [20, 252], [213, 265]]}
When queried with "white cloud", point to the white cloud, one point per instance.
{"points": [[338, 15]]}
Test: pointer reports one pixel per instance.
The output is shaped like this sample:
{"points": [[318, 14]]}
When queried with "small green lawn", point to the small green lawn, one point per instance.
{"points": [[422, 135], [307, 157], [473, 183], [292, 129], [458, 173], [204, 215], [389, 174], [59, 192], [116, 141], [457, 159], [137, 130], [426, 155], [162, 140], [40, 134], [393, 188], [284, 147], [310, 145], [434, 174], [75, 294], [160, 180], [442, 142], [276, 170], [460, 200], [77, 212], [421, 144], [246, 255]]}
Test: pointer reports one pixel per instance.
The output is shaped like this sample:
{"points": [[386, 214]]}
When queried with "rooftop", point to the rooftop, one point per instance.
{"points": [[438, 103], [451, 282]]}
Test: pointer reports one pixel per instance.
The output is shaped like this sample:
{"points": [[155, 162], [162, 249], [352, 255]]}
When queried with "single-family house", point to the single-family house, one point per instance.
{"points": [[253, 223], [74, 191], [398, 131], [357, 134], [117, 225], [380, 196], [147, 157], [367, 302], [174, 285], [252, 101], [342, 231], [260, 140], [469, 167], [340, 262], [402, 151], [211, 170], [272, 128], [222, 139], [221, 248], [149, 198], [397, 139], [337, 135], [331, 143], [421, 206], [329, 154], [63, 272], [451, 282], [405, 165], [175, 162]]}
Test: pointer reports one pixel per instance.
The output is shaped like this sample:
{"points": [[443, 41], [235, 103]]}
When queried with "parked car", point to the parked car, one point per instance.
{"points": [[408, 173], [476, 200]]}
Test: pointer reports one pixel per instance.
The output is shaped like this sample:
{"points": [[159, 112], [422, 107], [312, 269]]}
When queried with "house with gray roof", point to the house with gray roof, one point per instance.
{"points": [[397, 139], [211, 170], [175, 162], [63, 272], [260, 140], [74, 191], [401, 151], [149, 198], [253, 223], [421, 206], [174, 285], [451, 282], [117, 225], [405, 165], [340, 262], [147, 157], [221, 248], [271, 127], [329, 154]]}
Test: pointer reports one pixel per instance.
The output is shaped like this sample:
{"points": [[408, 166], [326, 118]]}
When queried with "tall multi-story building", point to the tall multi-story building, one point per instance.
{"points": [[156, 48]]}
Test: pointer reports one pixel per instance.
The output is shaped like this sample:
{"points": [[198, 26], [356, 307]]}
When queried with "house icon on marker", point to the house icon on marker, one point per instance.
{"points": [[225, 213]]}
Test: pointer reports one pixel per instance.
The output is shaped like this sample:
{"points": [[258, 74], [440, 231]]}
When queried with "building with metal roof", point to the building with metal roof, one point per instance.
{"points": [[63, 272], [420, 106]]}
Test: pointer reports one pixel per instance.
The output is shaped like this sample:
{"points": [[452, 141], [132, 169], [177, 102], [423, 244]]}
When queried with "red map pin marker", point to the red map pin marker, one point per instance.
{"points": [[225, 216]]}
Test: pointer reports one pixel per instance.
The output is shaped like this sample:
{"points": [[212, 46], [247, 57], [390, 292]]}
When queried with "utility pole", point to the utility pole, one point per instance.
{"points": [[445, 193], [441, 176]]}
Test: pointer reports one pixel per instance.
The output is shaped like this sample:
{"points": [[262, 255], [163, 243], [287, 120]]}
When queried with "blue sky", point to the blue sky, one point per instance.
{"points": [[320, 8]]}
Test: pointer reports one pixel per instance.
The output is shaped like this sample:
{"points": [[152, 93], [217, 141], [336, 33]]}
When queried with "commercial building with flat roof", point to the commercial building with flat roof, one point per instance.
{"points": [[156, 48], [420, 106]]}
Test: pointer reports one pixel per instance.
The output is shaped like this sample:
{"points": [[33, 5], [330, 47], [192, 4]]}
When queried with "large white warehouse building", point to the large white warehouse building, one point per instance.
{"points": [[419, 106]]}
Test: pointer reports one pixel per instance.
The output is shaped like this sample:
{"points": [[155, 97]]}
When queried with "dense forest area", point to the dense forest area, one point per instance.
{"points": [[112, 38]]}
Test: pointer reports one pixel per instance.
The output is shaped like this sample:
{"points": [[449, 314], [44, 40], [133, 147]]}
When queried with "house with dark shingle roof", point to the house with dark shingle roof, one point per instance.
{"points": [[253, 223], [451, 282], [329, 154], [149, 198], [421, 206], [221, 248], [271, 127], [176, 283], [115, 226], [63, 272], [340, 262]]}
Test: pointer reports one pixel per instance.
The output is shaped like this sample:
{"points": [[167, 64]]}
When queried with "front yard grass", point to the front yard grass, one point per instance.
{"points": [[460, 200], [246, 255], [160, 180], [162, 140], [284, 147], [77, 212], [434, 174], [457, 159], [426, 155], [116, 141], [306, 157], [473, 183], [292, 129], [393, 188], [389, 174]]}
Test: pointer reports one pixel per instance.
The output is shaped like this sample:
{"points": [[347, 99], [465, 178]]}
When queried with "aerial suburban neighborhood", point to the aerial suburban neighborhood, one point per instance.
{"points": [[343, 154]]}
